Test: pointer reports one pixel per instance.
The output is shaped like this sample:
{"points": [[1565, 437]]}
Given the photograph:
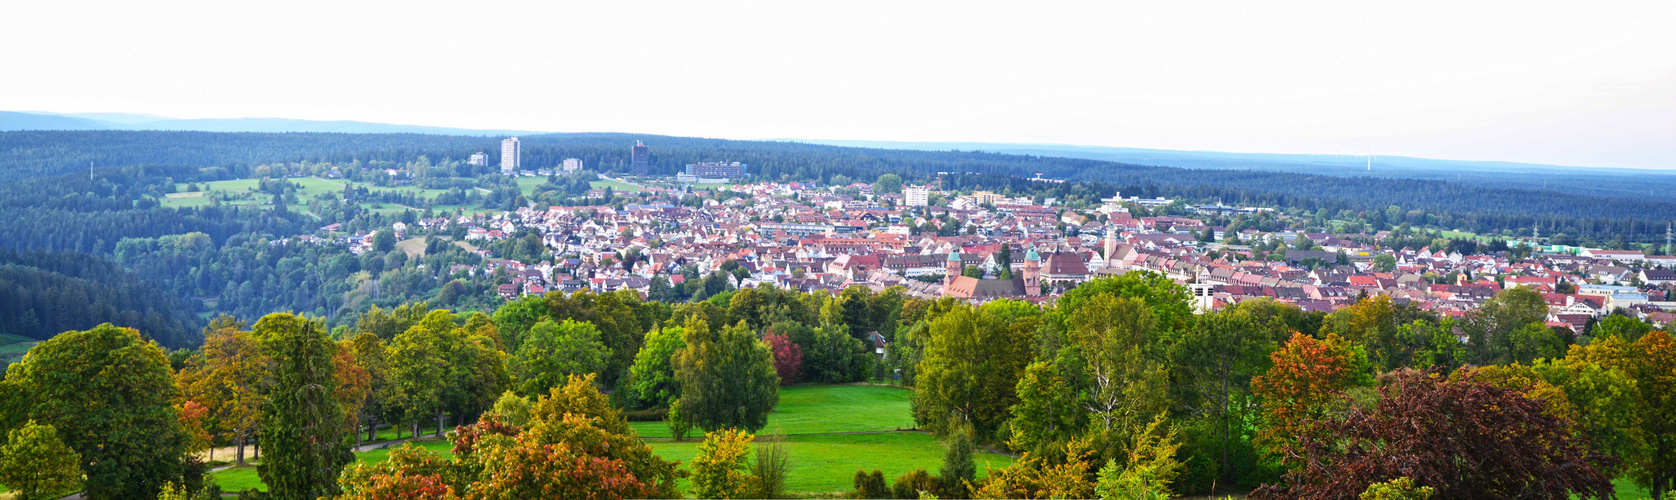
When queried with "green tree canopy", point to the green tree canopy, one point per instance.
{"points": [[110, 395], [36, 465], [727, 378], [551, 352]]}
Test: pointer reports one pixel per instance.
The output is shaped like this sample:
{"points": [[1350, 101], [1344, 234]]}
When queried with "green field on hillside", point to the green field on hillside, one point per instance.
{"points": [[12, 348]]}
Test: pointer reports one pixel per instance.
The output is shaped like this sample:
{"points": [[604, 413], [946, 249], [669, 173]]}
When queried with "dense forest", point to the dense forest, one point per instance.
{"points": [[42, 294]]}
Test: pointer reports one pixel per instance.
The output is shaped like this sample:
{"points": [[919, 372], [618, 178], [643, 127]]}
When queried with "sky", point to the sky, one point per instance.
{"points": [[1565, 83]]}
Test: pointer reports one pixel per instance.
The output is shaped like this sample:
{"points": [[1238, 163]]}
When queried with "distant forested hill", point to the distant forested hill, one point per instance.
{"points": [[1477, 207], [43, 294]]}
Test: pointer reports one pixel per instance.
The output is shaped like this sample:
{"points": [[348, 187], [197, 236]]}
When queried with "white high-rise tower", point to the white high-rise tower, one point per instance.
{"points": [[509, 156]]}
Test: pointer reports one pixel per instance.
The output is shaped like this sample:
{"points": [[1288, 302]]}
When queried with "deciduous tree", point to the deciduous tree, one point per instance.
{"points": [[36, 465], [1465, 438], [727, 378], [553, 351], [1300, 391], [110, 395], [230, 377], [722, 467], [651, 380]]}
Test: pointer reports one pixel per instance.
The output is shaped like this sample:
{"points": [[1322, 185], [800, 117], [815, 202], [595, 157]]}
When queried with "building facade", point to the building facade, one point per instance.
{"points": [[509, 152], [572, 165], [479, 158], [716, 170], [640, 158], [915, 196]]}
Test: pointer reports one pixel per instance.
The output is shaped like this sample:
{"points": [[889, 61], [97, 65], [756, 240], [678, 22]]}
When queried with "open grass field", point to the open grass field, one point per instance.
{"points": [[12, 348], [822, 465], [818, 409], [413, 247], [308, 188], [614, 185], [242, 478]]}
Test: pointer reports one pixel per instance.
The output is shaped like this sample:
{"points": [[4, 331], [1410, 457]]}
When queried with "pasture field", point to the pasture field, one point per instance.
{"points": [[617, 186], [825, 465], [12, 348], [821, 409]]}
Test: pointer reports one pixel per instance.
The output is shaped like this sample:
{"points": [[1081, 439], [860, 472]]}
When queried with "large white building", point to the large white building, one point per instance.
{"points": [[572, 165], [509, 156], [916, 196], [478, 158]]}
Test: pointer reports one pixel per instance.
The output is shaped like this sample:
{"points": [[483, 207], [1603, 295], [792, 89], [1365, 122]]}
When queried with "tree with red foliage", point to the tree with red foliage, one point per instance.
{"points": [[1465, 438], [788, 357]]}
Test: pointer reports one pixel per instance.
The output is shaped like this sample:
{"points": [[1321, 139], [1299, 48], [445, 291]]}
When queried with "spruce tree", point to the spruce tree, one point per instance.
{"points": [[304, 428], [958, 466]]}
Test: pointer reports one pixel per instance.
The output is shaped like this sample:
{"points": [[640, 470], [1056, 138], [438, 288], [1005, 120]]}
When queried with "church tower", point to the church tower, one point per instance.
{"points": [[954, 269], [1111, 245], [1032, 274]]}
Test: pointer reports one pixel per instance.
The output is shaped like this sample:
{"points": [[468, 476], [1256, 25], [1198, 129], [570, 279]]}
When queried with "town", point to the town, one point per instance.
{"points": [[983, 245]]}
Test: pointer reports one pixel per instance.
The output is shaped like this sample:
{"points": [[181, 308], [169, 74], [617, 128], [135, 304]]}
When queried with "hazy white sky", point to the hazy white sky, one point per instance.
{"points": [[1571, 83]]}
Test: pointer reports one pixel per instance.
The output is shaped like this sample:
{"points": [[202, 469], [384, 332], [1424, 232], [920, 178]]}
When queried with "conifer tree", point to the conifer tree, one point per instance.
{"points": [[303, 429]]}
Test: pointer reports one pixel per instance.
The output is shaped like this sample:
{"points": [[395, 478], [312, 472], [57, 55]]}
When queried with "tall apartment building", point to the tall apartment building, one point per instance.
{"points": [[478, 158], [572, 165], [916, 196], [640, 158], [509, 151], [716, 170]]}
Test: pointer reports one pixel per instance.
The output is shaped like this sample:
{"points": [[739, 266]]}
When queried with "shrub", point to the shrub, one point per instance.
{"points": [[916, 484], [720, 470], [870, 485], [771, 467]]}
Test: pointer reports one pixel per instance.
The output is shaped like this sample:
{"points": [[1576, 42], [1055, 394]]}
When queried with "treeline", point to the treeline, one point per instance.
{"points": [[43, 294], [1116, 390], [1119, 391]]}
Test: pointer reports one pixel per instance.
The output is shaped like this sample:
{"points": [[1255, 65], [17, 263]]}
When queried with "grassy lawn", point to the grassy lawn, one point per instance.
{"points": [[528, 184], [413, 247], [241, 478], [1627, 490], [810, 409], [12, 348], [826, 464], [617, 186], [383, 208]]}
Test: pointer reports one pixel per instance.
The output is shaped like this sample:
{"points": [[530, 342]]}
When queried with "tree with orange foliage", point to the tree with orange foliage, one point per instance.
{"points": [[1303, 387], [354, 383], [230, 379]]}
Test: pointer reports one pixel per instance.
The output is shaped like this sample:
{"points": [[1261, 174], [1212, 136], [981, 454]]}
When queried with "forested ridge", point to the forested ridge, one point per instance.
{"points": [[43, 153], [42, 294]]}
